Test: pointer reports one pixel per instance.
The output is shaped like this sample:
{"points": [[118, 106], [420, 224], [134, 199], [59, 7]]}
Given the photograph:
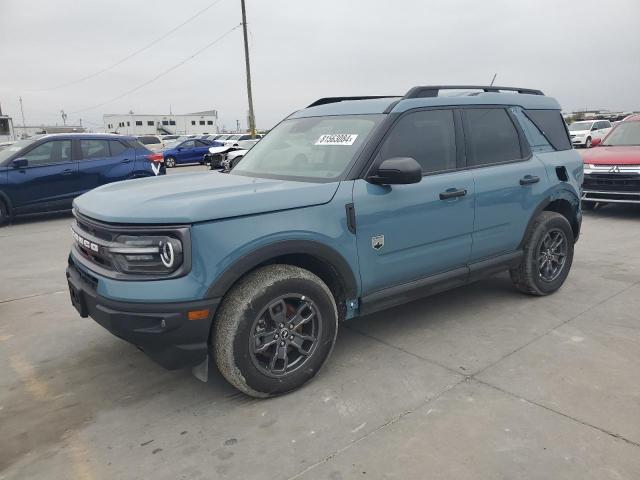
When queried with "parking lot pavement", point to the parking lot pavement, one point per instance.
{"points": [[478, 382]]}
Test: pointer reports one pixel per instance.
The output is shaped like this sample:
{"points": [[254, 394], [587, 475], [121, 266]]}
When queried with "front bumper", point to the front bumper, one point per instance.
{"points": [[162, 330], [610, 187]]}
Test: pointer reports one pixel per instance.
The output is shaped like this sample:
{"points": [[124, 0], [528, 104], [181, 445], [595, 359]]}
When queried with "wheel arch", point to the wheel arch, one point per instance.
{"points": [[561, 201], [318, 258]]}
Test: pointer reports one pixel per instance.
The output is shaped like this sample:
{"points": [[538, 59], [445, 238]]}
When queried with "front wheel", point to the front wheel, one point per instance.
{"points": [[170, 162], [587, 144], [274, 330], [547, 255]]}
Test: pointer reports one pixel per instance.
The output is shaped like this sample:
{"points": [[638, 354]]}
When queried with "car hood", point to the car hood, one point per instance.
{"points": [[198, 197], [612, 155]]}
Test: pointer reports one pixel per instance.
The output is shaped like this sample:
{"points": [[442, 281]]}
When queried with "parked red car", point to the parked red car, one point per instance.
{"points": [[612, 171]]}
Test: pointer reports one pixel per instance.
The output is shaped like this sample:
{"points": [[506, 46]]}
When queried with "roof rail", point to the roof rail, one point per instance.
{"points": [[324, 101], [432, 91]]}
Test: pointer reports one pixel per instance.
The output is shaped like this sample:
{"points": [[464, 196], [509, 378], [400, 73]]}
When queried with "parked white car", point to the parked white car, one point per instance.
{"points": [[583, 133], [241, 140], [152, 142]]}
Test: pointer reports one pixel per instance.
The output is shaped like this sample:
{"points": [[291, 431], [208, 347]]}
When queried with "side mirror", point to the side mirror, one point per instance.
{"points": [[397, 171], [20, 163], [595, 142], [594, 129]]}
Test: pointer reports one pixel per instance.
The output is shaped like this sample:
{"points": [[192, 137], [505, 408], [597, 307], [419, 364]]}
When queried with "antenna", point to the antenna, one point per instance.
{"points": [[493, 79]]}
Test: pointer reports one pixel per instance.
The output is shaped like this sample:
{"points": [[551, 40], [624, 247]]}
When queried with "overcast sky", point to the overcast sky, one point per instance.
{"points": [[585, 53]]}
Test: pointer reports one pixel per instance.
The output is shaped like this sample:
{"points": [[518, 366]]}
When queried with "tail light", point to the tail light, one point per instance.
{"points": [[155, 157]]}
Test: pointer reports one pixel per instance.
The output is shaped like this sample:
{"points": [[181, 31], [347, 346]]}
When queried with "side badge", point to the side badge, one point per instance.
{"points": [[377, 242]]}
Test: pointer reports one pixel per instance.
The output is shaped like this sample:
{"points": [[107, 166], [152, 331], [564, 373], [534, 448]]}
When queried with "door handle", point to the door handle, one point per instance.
{"points": [[126, 160], [529, 180], [452, 193], [68, 171]]}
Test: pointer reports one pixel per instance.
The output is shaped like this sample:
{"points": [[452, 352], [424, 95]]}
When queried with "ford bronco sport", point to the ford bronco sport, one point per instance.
{"points": [[348, 206]]}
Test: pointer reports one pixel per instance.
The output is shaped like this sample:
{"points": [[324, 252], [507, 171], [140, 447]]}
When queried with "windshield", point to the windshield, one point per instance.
{"points": [[309, 148], [9, 151], [577, 126], [625, 134], [234, 137]]}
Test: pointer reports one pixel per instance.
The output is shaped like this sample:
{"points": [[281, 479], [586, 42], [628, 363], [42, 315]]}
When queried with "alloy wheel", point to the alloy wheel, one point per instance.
{"points": [[284, 335], [552, 255]]}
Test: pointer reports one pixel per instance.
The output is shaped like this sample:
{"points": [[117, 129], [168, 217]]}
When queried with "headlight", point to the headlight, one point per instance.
{"points": [[134, 253], [152, 254]]}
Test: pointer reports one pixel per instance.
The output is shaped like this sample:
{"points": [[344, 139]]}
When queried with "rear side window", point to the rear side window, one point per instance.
{"points": [[94, 149], [491, 136], [537, 141], [552, 125], [117, 148], [427, 136]]}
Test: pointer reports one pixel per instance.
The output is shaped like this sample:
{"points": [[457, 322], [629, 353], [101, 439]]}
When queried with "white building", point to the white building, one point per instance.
{"points": [[135, 124]]}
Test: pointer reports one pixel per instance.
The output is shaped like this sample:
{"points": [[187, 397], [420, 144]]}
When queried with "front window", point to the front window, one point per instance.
{"points": [[580, 126], [309, 148], [15, 148], [625, 134]]}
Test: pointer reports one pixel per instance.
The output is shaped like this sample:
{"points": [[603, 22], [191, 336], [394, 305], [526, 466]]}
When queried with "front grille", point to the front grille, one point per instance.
{"points": [[89, 279], [94, 230], [612, 182]]}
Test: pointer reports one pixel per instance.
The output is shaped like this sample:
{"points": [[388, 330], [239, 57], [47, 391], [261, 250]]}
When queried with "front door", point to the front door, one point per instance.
{"points": [[409, 232], [50, 179]]}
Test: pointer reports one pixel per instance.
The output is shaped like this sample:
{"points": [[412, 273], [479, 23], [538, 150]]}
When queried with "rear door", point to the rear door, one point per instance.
{"points": [[104, 161], [509, 180], [50, 179], [409, 232]]}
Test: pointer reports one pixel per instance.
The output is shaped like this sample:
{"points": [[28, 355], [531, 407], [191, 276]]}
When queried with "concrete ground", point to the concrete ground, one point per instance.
{"points": [[481, 382]]}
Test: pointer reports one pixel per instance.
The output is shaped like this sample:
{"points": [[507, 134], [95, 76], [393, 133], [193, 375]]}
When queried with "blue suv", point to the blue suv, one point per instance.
{"points": [[46, 173], [348, 206]]}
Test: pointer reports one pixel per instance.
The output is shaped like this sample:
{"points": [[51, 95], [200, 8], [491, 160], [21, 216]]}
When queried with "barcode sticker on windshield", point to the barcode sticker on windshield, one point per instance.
{"points": [[337, 139]]}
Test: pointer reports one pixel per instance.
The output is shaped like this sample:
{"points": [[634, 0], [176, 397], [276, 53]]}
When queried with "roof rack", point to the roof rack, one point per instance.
{"points": [[432, 91], [324, 101]]}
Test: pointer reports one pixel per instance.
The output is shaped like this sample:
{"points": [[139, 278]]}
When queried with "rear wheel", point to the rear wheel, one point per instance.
{"points": [[274, 330], [4, 213], [170, 162], [547, 255]]}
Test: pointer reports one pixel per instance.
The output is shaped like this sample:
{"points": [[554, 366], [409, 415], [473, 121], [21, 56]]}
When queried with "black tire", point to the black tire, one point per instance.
{"points": [[529, 276], [249, 320], [587, 143], [5, 216], [170, 162]]}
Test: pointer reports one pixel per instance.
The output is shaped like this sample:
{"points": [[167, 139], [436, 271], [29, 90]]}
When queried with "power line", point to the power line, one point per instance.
{"points": [[170, 69], [131, 55]]}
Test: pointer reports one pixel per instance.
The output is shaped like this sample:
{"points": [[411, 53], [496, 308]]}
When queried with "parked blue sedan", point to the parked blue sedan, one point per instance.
{"points": [[46, 173], [187, 151]]}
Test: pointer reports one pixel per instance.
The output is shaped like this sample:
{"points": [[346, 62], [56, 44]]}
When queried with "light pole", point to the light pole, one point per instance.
{"points": [[252, 119], [64, 117]]}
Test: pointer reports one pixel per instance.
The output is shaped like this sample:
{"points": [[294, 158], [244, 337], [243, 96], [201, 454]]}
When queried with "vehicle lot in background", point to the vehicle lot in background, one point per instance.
{"points": [[583, 133], [495, 385]]}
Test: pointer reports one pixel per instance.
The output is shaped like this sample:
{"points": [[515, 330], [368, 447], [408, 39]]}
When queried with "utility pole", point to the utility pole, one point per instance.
{"points": [[252, 118], [24, 125], [238, 126]]}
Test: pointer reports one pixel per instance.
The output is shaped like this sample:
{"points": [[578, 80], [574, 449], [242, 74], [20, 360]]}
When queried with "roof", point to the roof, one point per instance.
{"points": [[85, 134], [526, 98]]}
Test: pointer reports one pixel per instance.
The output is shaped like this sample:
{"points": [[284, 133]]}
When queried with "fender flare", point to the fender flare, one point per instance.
{"points": [[558, 193], [270, 251]]}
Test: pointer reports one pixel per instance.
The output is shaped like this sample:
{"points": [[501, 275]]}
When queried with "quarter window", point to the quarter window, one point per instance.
{"points": [[57, 151], [117, 148], [536, 139], [426, 136], [94, 149], [552, 125], [491, 136]]}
